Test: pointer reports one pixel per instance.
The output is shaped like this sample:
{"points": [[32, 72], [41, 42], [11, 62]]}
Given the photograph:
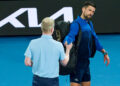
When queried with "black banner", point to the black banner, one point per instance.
{"points": [[107, 16], [23, 17]]}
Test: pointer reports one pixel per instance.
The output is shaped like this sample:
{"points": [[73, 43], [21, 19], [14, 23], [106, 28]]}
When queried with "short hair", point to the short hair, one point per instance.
{"points": [[89, 3], [47, 24]]}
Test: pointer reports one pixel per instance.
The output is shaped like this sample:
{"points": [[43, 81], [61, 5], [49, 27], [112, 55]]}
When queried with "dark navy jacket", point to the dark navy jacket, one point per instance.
{"points": [[87, 30]]}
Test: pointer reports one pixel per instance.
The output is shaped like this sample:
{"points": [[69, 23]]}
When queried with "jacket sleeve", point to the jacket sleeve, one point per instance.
{"points": [[99, 47], [74, 28]]}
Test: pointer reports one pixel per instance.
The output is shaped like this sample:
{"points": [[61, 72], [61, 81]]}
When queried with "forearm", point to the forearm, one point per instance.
{"points": [[68, 48], [67, 55], [65, 61]]}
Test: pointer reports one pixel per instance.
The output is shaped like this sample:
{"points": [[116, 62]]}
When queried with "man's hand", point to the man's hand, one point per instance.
{"points": [[106, 58], [65, 43], [28, 61], [68, 47]]}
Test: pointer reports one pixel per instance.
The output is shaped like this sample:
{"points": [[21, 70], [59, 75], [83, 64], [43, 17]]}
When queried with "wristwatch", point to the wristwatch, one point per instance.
{"points": [[105, 53]]}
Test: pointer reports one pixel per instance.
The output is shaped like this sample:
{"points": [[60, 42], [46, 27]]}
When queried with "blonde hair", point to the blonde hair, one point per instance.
{"points": [[47, 24]]}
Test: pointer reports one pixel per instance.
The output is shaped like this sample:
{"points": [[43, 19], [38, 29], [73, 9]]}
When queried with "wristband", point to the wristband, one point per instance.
{"points": [[105, 53]]}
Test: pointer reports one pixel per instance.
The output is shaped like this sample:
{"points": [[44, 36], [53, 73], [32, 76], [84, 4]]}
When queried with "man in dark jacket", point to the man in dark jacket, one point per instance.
{"points": [[82, 75]]}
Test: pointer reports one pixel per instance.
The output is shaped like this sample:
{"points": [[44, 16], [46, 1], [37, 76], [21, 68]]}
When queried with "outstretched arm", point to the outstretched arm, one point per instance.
{"points": [[74, 29]]}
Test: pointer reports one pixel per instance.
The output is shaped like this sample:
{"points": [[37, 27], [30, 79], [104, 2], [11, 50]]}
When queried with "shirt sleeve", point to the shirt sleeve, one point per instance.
{"points": [[74, 28], [62, 52], [28, 52], [99, 47]]}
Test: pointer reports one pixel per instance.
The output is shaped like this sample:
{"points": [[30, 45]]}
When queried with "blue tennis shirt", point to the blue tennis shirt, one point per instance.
{"points": [[45, 53]]}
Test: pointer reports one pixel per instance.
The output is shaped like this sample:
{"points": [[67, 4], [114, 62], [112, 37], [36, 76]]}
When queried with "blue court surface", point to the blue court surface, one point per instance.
{"points": [[13, 72]]}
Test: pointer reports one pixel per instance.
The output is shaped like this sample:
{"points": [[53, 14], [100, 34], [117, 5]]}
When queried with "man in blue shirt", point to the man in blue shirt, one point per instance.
{"points": [[81, 77], [43, 55]]}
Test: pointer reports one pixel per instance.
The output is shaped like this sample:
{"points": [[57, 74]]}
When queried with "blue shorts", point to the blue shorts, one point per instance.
{"points": [[40, 81], [82, 72]]}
